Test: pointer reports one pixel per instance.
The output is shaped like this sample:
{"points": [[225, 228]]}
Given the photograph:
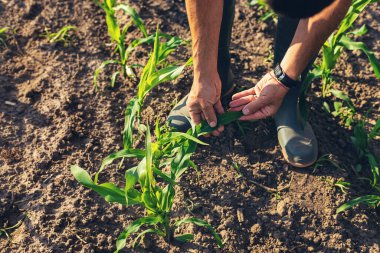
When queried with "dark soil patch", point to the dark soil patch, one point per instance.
{"points": [[50, 118]]}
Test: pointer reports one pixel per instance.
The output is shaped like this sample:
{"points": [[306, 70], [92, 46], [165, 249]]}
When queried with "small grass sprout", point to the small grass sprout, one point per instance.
{"points": [[3, 36], [64, 35]]}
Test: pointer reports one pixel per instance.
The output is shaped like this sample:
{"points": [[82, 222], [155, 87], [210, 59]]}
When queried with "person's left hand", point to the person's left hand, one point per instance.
{"points": [[261, 101]]}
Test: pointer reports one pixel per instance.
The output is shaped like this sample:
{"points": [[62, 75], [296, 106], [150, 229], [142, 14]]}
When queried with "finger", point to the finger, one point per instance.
{"points": [[255, 106], [195, 117], [220, 129], [236, 109], [255, 116], [219, 107], [210, 115], [243, 93], [215, 133], [242, 101]]}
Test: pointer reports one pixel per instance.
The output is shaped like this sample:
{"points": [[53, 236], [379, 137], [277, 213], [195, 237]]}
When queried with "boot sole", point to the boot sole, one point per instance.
{"points": [[298, 165]]}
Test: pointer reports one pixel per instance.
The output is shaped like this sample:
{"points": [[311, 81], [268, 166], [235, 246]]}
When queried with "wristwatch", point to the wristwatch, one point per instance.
{"points": [[283, 78]]}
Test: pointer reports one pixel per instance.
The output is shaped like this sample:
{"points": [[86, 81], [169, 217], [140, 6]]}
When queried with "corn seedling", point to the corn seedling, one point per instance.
{"points": [[64, 35], [5, 230], [342, 185], [333, 47], [167, 158], [267, 13], [118, 39], [151, 183], [327, 158], [345, 110], [361, 139], [3, 36], [370, 200]]}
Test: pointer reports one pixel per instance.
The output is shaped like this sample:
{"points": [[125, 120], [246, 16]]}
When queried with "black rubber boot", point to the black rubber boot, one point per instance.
{"points": [[179, 117], [295, 135]]}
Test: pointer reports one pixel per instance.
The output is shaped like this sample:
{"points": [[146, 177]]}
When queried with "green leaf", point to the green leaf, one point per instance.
{"points": [[353, 45], [133, 228], [184, 237], [223, 119], [113, 27], [371, 200], [100, 68], [135, 17], [200, 223], [113, 78], [110, 192], [148, 231], [361, 31], [125, 153], [131, 116]]}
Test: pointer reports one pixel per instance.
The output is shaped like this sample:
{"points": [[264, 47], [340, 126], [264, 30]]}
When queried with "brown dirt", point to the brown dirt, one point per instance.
{"points": [[55, 120]]}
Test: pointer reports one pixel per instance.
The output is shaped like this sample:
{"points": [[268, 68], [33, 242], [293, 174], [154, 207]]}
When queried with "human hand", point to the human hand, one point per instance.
{"points": [[261, 101], [204, 100]]}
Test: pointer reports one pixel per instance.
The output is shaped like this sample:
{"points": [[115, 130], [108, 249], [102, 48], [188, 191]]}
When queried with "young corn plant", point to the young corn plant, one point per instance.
{"points": [[64, 35], [333, 47], [267, 13], [151, 183], [345, 110], [118, 39], [3, 36], [361, 140]]}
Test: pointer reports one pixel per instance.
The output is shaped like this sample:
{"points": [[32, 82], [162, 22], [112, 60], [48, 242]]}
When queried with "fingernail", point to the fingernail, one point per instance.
{"points": [[245, 111], [213, 124]]}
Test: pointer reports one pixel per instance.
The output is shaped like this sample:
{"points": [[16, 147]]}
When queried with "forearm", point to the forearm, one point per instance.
{"points": [[205, 17], [310, 35]]}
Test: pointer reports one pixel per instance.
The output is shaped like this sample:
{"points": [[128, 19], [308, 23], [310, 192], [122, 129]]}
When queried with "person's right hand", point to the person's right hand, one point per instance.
{"points": [[204, 100]]}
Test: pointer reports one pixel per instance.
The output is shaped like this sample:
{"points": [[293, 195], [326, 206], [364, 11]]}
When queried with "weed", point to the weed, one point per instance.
{"points": [[5, 230], [3, 36], [64, 35]]}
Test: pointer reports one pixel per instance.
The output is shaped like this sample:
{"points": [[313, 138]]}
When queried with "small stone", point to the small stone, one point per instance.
{"points": [[310, 249], [256, 229], [303, 219], [317, 240], [281, 208], [240, 215]]}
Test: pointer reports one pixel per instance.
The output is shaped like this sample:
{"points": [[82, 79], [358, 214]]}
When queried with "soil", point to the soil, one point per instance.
{"points": [[51, 118]]}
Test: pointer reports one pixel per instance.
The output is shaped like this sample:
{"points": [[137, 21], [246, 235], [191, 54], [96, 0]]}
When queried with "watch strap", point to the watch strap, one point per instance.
{"points": [[283, 78]]}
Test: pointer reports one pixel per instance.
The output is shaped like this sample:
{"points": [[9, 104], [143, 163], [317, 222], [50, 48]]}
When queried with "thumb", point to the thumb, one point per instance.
{"points": [[255, 105]]}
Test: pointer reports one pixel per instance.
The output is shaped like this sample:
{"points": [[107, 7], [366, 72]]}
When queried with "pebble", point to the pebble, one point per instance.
{"points": [[240, 215], [256, 229], [281, 208]]}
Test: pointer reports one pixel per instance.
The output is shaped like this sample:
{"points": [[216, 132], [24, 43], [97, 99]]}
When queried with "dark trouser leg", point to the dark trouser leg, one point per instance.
{"points": [[295, 135], [179, 117], [224, 58]]}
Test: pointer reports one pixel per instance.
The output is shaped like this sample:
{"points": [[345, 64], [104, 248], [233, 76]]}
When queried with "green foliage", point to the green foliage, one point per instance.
{"points": [[64, 35], [118, 38], [333, 47], [361, 139], [345, 110], [3, 35], [163, 160], [266, 12], [370, 200], [5, 230]]}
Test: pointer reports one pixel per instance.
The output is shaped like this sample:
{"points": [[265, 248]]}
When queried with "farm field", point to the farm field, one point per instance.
{"points": [[51, 118]]}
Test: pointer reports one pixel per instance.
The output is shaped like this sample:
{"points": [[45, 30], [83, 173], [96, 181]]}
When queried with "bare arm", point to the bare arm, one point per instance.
{"points": [[310, 35], [205, 17]]}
